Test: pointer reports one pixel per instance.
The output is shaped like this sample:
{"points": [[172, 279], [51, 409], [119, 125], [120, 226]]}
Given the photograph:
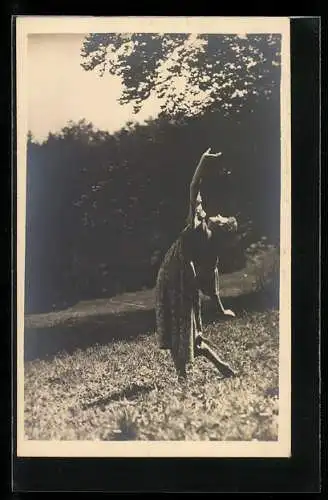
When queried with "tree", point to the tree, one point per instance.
{"points": [[188, 73], [224, 88]]}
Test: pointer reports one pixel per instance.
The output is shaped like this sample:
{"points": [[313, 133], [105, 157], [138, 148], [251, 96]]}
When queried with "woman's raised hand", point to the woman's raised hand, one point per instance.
{"points": [[208, 154]]}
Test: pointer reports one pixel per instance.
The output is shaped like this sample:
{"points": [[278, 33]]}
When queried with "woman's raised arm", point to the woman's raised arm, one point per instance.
{"points": [[196, 182]]}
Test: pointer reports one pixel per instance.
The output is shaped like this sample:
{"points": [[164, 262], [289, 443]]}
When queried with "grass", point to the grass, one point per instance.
{"points": [[127, 389]]}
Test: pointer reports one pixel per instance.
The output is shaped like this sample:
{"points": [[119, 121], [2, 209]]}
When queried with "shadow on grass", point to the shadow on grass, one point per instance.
{"points": [[82, 333], [44, 343], [242, 304], [130, 393]]}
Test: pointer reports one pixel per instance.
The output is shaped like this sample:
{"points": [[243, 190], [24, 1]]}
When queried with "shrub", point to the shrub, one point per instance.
{"points": [[268, 276]]}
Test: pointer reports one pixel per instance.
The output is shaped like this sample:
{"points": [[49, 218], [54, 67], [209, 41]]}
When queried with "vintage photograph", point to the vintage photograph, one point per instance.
{"points": [[153, 236]]}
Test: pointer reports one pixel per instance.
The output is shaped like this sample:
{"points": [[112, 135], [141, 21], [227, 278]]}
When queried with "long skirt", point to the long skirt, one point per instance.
{"points": [[174, 297]]}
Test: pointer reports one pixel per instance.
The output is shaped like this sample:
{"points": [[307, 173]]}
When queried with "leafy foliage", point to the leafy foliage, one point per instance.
{"points": [[268, 277], [102, 208], [188, 73]]}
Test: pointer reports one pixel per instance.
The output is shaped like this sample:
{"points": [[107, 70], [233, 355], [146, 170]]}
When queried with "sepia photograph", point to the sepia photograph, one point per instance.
{"points": [[153, 236]]}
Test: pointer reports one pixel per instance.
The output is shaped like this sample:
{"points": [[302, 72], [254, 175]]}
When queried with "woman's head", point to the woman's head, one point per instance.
{"points": [[220, 223]]}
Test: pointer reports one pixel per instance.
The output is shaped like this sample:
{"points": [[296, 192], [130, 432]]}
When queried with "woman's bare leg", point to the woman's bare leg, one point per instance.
{"points": [[202, 348]]}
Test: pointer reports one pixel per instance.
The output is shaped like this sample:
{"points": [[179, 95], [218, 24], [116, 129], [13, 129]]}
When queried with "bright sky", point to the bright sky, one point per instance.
{"points": [[59, 90]]}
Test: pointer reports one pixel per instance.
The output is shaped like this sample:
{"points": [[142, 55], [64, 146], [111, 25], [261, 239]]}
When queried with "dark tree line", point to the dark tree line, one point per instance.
{"points": [[103, 208]]}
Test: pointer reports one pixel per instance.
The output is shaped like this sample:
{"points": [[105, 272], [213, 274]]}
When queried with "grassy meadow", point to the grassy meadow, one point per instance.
{"points": [[126, 388]]}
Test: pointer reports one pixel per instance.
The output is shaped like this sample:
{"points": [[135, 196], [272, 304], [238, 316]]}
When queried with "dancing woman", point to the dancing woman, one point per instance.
{"points": [[190, 266]]}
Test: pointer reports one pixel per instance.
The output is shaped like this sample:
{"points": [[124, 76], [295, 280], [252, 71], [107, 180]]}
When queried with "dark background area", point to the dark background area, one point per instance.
{"points": [[102, 209]]}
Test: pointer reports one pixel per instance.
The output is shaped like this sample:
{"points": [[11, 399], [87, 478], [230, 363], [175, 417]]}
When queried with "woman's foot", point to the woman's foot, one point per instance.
{"points": [[227, 371]]}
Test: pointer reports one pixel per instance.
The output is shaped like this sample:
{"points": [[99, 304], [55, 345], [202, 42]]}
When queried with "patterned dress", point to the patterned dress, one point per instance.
{"points": [[174, 295]]}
